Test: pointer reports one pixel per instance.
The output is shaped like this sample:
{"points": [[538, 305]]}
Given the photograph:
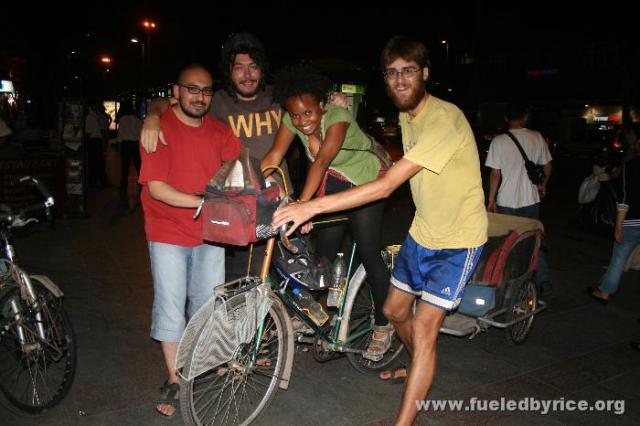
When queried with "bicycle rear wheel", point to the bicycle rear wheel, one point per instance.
{"points": [[35, 373], [524, 300], [361, 316], [237, 392]]}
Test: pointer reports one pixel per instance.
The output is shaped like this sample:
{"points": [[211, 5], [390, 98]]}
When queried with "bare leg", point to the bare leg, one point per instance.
{"points": [[425, 328], [170, 351], [398, 309]]}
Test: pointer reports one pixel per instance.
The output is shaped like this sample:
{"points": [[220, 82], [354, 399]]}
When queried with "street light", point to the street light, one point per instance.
{"points": [[446, 47], [148, 26], [106, 61], [136, 40]]}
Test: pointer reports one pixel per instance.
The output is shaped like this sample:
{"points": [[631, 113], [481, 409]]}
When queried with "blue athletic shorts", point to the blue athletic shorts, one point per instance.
{"points": [[436, 277]]}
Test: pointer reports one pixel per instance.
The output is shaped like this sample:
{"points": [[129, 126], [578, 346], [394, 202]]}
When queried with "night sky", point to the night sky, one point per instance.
{"points": [[353, 36]]}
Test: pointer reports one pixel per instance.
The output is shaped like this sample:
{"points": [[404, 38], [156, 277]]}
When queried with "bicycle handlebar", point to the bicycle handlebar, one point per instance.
{"points": [[284, 228], [326, 222], [20, 217], [48, 199]]}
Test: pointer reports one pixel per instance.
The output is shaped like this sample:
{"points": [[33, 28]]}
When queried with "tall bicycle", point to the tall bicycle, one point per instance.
{"points": [[238, 349], [37, 341]]}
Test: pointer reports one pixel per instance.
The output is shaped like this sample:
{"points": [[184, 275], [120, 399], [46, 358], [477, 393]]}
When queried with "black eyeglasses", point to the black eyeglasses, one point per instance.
{"points": [[406, 72], [194, 90]]}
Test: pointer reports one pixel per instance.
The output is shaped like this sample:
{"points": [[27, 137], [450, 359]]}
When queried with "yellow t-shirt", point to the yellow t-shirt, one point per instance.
{"points": [[448, 193]]}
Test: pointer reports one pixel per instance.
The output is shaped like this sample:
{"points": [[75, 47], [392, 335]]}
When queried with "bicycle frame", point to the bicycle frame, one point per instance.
{"points": [[24, 283], [336, 336]]}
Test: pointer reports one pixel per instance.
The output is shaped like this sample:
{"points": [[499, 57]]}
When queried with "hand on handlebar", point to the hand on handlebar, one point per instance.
{"points": [[306, 228], [298, 213]]}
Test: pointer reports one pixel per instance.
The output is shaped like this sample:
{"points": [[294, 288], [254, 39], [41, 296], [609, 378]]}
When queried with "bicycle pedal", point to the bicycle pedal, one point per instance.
{"points": [[305, 339], [372, 357], [301, 347]]}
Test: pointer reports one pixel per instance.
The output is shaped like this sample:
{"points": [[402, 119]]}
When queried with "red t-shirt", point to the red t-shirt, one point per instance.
{"points": [[191, 158]]}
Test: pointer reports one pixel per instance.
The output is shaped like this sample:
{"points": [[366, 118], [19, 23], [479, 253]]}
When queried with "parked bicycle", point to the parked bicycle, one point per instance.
{"points": [[238, 349], [37, 342]]}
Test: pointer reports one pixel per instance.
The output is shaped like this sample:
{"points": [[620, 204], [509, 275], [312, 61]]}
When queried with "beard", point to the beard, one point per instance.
{"points": [[188, 110], [410, 101], [240, 91]]}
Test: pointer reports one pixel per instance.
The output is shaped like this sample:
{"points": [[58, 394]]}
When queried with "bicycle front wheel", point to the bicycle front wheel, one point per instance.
{"points": [[237, 392], [35, 372]]}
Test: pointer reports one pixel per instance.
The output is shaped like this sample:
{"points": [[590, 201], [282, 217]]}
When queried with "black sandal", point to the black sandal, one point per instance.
{"points": [[169, 392]]}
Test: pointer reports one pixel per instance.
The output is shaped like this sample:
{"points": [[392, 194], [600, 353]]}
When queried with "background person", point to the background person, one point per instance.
{"points": [[129, 128], [627, 227], [510, 189], [97, 174]]}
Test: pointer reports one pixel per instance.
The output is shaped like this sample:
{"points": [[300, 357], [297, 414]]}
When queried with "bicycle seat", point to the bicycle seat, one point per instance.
{"points": [[303, 269]]}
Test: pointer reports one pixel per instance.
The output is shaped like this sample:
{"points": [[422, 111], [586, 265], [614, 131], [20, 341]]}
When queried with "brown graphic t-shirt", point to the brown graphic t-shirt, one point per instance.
{"points": [[254, 122]]}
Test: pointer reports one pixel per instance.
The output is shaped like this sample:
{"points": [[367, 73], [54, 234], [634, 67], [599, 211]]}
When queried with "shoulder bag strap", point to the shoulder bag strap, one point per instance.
{"points": [[518, 145]]}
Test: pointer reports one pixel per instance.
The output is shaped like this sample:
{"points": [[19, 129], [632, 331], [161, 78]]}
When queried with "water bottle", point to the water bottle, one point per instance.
{"points": [[306, 303], [337, 280]]}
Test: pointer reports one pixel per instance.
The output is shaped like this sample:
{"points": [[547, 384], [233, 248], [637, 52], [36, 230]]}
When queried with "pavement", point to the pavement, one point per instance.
{"points": [[578, 349]]}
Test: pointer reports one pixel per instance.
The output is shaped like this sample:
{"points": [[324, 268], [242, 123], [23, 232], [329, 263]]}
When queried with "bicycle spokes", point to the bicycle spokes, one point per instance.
{"points": [[36, 372], [236, 391]]}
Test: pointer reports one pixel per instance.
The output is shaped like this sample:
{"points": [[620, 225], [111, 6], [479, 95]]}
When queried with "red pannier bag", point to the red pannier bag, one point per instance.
{"points": [[238, 206]]}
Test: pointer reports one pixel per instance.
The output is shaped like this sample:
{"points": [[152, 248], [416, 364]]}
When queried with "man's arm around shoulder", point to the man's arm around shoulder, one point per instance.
{"points": [[151, 130]]}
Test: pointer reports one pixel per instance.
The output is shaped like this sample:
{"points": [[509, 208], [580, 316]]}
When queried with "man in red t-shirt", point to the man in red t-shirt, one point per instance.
{"points": [[185, 269]]}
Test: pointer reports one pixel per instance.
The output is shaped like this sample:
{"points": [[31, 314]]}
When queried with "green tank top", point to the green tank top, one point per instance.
{"points": [[358, 167]]}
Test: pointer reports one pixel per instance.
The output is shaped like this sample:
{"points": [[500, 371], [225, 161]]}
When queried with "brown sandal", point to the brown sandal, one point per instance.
{"points": [[396, 376]]}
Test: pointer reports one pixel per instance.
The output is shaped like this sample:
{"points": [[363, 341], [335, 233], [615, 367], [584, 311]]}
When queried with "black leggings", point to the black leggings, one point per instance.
{"points": [[365, 226]]}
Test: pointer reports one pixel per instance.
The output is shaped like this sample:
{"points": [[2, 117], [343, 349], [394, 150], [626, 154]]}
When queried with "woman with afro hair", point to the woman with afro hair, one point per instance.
{"points": [[338, 152]]}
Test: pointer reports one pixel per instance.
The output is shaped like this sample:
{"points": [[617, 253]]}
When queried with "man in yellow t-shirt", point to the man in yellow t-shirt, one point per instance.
{"points": [[450, 225]]}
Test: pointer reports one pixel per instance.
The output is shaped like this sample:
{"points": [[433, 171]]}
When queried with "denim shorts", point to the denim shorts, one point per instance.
{"points": [[436, 277], [183, 280]]}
